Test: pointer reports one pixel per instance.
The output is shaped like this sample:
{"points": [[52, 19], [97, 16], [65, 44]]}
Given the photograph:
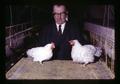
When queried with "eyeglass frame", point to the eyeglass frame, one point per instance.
{"points": [[60, 13]]}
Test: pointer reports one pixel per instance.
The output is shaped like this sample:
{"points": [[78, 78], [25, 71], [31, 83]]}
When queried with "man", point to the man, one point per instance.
{"points": [[61, 31]]}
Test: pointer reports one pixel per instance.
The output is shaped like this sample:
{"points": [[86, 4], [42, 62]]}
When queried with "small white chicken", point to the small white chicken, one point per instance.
{"points": [[84, 53], [41, 53]]}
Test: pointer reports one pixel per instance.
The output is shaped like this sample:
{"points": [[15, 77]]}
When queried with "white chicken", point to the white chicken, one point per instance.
{"points": [[84, 53], [41, 53]]}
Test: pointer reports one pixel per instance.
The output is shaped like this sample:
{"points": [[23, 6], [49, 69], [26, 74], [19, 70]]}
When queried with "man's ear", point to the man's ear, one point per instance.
{"points": [[66, 16]]}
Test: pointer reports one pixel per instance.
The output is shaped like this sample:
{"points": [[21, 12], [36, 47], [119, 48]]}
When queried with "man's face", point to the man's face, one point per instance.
{"points": [[59, 14]]}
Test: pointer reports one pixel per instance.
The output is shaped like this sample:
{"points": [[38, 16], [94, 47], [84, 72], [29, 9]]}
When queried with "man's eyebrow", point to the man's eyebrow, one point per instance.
{"points": [[60, 12]]}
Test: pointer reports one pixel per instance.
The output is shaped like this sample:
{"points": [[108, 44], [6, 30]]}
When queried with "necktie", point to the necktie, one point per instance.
{"points": [[60, 31]]}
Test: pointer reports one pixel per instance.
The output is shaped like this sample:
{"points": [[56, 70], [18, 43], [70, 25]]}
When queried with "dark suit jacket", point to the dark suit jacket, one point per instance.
{"points": [[62, 47]]}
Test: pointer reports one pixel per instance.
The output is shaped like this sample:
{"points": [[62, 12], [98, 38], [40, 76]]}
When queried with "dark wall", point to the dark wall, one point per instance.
{"points": [[16, 14], [40, 13], [101, 14]]}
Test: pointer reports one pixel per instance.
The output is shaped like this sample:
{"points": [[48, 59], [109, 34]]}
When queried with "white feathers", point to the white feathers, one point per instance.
{"points": [[41, 53], [84, 54]]}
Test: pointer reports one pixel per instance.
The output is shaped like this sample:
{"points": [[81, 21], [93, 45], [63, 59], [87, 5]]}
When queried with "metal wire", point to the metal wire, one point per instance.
{"points": [[10, 33], [108, 16], [105, 11]]}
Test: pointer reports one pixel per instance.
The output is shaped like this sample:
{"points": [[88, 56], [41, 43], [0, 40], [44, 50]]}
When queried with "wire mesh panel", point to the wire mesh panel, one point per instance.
{"points": [[15, 35], [103, 37]]}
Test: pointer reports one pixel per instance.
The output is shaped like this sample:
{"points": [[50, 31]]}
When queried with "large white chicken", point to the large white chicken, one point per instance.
{"points": [[41, 53], [84, 53]]}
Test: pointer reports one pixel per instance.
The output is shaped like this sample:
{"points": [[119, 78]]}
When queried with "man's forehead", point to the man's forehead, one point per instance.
{"points": [[58, 8]]}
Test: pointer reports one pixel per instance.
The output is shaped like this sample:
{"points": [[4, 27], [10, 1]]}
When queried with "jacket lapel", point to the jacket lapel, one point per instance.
{"points": [[66, 29]]}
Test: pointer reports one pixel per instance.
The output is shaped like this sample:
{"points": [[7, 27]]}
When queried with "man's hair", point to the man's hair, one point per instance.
{"points": [[61, 3]]}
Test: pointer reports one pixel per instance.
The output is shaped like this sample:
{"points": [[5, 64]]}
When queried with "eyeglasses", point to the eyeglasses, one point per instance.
{"points": [[63, 13]]}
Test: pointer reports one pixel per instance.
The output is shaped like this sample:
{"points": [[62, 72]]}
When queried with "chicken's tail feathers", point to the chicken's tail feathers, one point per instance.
{"points": [[28, 52], [98, 51]]}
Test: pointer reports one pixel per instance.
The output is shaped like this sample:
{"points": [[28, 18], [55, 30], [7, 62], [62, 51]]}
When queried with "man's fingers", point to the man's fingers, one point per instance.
{"points": [[53, 45], [71, 42]]}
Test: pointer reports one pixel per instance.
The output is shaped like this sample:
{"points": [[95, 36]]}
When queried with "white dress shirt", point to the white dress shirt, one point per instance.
{"points": [[62, 27]]}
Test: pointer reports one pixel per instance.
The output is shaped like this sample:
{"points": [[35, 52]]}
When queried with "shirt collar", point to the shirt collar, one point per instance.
{"points": [[62, 25]]}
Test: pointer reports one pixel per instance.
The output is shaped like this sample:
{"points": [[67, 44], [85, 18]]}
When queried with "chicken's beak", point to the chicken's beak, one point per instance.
{"points": [[72, 42]]}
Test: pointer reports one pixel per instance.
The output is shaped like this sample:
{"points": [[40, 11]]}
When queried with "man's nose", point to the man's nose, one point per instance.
{"points": [[59, 16]]}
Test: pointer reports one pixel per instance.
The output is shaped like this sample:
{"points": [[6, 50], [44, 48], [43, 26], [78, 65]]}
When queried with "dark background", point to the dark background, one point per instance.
{"points": [[39, 12]]}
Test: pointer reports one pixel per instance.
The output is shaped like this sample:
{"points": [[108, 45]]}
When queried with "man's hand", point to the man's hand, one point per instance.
{"points": [[72, 42], [53, 45]]}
